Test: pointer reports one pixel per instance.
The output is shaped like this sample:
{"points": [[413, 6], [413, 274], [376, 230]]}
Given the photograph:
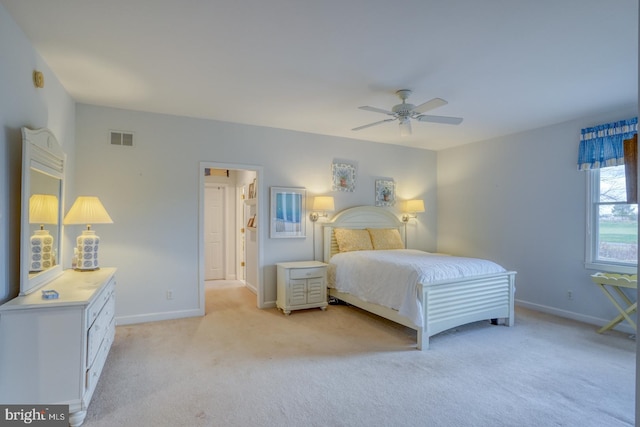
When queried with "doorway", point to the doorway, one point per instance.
{"points": [[227, 252]]}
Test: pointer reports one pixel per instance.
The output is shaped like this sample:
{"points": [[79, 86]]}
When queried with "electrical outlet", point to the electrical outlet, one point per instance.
{"points": [[570, 295], [169, 294]]}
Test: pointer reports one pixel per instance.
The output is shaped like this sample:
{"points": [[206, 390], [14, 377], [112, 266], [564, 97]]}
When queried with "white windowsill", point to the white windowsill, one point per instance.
{"points": [[611, 268]]}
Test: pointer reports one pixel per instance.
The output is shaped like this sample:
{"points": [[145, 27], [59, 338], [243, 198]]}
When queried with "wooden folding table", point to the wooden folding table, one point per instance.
{"points": [[611, 281]]}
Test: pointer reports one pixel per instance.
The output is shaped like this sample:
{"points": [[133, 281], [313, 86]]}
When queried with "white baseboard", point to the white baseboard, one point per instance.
{"points": [[621, 327], [251, 287], [154, 317]]}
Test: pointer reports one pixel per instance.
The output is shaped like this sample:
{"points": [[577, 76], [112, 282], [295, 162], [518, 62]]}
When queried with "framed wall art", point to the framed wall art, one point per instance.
{"points": [[288, 217], [385, 192], [343, 175]]}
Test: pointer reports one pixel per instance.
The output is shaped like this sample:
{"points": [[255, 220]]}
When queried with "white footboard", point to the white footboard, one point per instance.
{"points": [[450, 304]]}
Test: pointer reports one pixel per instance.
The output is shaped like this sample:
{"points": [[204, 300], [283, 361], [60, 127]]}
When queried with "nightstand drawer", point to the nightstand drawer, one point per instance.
{"points": [[306, 273]]}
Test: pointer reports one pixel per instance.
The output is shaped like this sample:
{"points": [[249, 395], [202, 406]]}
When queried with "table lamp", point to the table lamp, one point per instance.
{"points": [[87, 210], [43, 209]]}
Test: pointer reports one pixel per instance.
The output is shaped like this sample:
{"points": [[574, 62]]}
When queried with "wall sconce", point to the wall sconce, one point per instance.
{"points": [[87, 210], [43, 209], [412, 209], [323, 204]]}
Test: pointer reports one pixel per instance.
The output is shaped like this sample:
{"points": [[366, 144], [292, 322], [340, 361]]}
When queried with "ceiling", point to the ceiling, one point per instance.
{"points": [[505, 66]]}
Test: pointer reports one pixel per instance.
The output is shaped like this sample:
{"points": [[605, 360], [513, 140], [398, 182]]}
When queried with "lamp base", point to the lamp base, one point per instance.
{"points": [[88, 244], [41, 251]]}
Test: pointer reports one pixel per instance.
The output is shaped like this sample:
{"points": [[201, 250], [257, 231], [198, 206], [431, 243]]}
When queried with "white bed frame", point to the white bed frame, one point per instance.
{"points": [[446, 304]]}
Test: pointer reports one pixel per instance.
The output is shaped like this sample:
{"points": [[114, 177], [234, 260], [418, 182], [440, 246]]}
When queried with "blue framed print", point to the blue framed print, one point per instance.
{"points": [[288, 218]]}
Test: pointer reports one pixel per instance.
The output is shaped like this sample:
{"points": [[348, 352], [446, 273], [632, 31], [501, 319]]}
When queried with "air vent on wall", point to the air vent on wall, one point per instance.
{"points": [[124, 139]]}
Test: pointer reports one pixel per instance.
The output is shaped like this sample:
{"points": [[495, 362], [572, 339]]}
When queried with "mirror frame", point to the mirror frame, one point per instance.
{"points": [[40, 152]]}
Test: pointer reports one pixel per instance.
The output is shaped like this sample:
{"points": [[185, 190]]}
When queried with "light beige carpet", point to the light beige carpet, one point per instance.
{"points": [[241, 366]]}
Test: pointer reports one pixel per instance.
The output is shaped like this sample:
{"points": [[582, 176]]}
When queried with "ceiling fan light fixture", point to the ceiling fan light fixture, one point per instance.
{"points": [[405, 127]]}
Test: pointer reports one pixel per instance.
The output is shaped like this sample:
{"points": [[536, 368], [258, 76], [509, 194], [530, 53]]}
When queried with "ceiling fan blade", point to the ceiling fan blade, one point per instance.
{"points": [[430, 105], [373, 124], [376, 110], [405, 127], [440, 119]]}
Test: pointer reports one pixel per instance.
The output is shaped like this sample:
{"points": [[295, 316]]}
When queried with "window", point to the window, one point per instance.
{"points": [[612, 234]]}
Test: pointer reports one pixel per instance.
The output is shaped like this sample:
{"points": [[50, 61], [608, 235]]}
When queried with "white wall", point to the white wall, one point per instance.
{"points": [[21, 104], [520, 200], [151, 192]]}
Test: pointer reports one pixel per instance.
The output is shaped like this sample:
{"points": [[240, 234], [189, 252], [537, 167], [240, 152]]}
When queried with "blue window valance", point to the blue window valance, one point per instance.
{"points": [[602, 145]]}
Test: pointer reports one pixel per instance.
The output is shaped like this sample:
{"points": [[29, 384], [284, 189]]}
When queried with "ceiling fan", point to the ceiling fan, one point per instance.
{"points": [[405, 112]]}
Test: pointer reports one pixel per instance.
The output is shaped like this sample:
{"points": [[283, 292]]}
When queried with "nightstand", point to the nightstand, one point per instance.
{"points": [[301, 284]]}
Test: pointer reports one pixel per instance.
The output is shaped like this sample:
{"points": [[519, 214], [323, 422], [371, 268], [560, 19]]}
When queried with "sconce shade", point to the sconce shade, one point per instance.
{"points": [[415, 206], [87, 210], [43, 209], [323, 203]]}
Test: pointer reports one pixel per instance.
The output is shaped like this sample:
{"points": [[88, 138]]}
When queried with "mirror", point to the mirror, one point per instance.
{"points": [[42, 208]]}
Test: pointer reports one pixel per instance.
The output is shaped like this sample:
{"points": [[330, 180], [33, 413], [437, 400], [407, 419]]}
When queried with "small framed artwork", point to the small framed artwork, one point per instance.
{"points": [[252, 189], [344, 176], [385, 192], [288, 217]]}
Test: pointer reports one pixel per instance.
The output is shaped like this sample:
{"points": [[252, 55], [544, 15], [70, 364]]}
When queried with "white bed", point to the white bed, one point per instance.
{"points": [[439, 304]]}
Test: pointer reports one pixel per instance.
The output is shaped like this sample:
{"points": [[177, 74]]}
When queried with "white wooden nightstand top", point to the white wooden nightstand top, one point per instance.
{"points": [[302, 264]]}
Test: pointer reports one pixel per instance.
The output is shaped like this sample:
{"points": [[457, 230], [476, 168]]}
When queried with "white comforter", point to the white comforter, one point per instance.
{"points": [[390, 277]]}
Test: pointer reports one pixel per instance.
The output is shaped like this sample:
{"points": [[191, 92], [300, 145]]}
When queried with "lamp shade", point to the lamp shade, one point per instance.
{"points": [[43, 209], [415, 206], [87, 210], [323, 203]]}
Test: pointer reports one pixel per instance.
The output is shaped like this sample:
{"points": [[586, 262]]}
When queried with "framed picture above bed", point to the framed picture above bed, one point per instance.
{"points": [[344, 175], [385, 192], [288, 217]]}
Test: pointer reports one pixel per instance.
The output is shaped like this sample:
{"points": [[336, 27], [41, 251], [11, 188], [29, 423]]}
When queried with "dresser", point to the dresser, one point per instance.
{"points": [[52, 350], [301, 284]]}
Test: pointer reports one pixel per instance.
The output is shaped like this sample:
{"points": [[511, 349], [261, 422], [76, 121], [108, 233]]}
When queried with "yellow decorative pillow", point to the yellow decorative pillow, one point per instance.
{"points": [[353, 240], [385, 238]]}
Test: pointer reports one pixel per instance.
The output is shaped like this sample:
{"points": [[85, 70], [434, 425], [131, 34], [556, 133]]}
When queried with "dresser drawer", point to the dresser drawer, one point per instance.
{"points": [[99, 302], [93, 373], [100, 329], [306, 273]]}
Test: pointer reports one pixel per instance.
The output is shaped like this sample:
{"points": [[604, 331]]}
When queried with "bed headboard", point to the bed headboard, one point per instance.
{"points": [[358, 218]]}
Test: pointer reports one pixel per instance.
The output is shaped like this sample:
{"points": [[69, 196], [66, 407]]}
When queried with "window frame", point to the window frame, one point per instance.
{"points": [[591, 246]]}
